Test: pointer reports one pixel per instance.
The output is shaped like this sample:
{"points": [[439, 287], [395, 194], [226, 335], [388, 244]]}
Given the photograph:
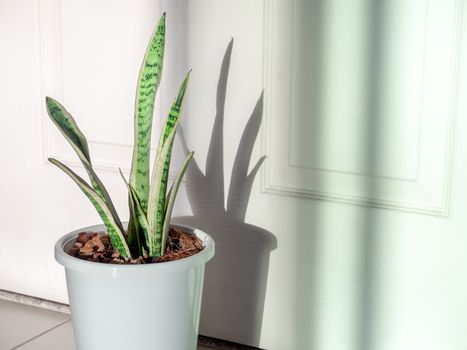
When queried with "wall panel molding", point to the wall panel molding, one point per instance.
{"points": [[107, 156], [428, 191]]}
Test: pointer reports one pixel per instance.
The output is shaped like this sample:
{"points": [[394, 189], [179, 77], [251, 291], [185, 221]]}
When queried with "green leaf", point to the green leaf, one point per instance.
{"points": [[148, 83], [69, 128], [116, 235], [137, 211], [103, 193], [174, 113], [140, 215], [132, 233], [156, 205], [67, 125], [171, 200]]}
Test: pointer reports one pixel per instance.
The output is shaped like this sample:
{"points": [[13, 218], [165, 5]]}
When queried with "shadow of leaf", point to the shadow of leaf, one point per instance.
{"points": [[236, 278]]}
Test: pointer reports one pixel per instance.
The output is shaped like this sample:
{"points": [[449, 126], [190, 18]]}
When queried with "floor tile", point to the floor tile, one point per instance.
{"points": [[59, 338], [24, 327], [19, 323]]}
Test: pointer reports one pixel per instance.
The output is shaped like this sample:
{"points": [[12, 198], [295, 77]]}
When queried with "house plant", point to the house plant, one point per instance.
{"points": [[133, 301]]}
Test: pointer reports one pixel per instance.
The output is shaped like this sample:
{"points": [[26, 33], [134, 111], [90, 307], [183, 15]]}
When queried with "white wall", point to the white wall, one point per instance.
{"points": [[355, 233]]}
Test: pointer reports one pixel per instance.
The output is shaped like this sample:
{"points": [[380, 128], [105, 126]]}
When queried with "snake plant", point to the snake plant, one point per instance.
{"points": [[149, 201]]}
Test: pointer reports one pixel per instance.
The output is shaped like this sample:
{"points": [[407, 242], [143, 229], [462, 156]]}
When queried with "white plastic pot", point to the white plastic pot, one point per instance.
{"points": [[131, 307]]}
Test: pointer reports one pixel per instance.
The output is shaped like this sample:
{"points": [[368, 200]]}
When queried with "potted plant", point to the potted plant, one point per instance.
{"points": [[138, 285]]}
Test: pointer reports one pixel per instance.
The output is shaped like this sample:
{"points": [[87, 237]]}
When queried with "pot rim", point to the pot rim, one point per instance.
{"points": [[115, 270]]}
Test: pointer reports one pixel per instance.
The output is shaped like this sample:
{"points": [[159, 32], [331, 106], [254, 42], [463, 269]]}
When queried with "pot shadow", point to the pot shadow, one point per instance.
{"points": [[236, 278]]}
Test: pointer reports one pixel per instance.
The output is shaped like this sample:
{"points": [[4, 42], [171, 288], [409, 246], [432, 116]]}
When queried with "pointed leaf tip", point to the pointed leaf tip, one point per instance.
{"points": [[162, 20]]}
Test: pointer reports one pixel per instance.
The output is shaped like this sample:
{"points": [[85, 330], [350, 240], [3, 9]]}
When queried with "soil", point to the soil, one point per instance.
{"points": [[96, 247]]}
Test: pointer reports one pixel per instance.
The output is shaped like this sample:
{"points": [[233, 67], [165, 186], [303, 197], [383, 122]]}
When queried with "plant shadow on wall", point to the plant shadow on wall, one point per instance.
{"points": [[235, 283]]}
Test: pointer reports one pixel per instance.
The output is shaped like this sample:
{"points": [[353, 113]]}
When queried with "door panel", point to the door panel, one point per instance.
{"points": [[365, 84]]}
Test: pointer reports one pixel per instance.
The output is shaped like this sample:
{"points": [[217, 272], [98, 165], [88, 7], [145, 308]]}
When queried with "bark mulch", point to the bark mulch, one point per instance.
{"points": [[96, 247]]}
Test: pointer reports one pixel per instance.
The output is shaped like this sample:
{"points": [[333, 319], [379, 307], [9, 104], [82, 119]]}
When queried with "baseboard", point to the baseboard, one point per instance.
{"points": [[33, 301]]}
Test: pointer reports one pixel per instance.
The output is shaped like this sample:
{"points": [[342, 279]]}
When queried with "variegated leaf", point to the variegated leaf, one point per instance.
{"points": [[156, 205], [67, 125], [116, 235], [148, 83], [136, 208], [174, 113], [171, 200], [156, 210], [133, 231], [171, 120]]}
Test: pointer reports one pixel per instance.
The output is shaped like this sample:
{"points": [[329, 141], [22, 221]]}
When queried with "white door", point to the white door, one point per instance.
{"points": [[353, 233]]}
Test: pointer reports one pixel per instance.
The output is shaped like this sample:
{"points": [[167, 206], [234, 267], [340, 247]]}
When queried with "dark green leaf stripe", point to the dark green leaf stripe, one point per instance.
{"points": [[148, 83], [116, 235], [171, 200]]}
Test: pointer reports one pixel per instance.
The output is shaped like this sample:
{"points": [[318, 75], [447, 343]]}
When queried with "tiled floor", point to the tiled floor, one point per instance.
{"points": [[30, 328]]}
